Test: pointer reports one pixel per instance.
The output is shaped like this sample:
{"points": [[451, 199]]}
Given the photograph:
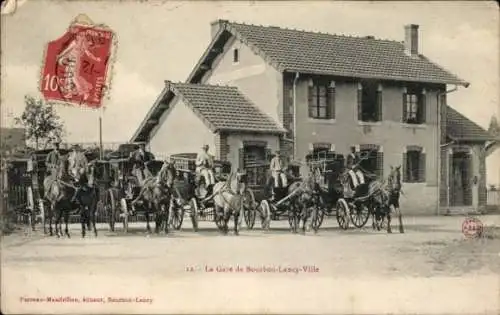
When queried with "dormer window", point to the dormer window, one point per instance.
{"points": [[236, 55]]}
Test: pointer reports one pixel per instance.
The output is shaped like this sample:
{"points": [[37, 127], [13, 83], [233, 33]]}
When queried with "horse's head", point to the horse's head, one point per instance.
{"points": [[237, 181], [394, 179]]}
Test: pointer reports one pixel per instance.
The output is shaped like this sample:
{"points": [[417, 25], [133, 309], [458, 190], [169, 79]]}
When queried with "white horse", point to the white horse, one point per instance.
{"points": [[228, 200]]}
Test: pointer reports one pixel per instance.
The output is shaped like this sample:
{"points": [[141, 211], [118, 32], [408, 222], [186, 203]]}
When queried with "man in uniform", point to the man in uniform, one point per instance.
{"points": [[277, 168], [357, 177], [53, 159], [204, 166], [78, 166], [140, 157]]}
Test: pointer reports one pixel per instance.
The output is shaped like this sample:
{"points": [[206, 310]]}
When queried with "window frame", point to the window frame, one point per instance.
{"points": [[362, 102], [321, 97], [419, 94], [414, 165]]}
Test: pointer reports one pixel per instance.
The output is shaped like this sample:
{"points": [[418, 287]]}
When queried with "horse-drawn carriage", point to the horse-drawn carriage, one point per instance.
{"points": [[337, 196], [124, 187], [286, 200], [193, 196]]}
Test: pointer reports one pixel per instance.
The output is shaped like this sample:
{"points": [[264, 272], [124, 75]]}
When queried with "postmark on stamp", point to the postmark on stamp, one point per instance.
{"points": [[472, 227], [76, 69]]}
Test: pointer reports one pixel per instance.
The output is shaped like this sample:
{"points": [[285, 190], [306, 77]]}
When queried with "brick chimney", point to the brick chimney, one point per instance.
{"points": [[411, 39], [216, 25]]}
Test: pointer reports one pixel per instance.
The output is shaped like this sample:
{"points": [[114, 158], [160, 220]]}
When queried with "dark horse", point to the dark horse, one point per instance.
{"points": [[155, 196], [59, 193], [390, 199]]}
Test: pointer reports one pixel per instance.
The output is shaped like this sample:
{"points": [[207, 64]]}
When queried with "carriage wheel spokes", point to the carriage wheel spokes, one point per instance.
{"points": [[360, 215], [249, 209], [342, 214], [177, 215]]}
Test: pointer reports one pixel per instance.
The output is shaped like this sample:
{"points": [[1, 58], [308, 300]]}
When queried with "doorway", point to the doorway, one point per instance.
{"points": [[460, 179]]}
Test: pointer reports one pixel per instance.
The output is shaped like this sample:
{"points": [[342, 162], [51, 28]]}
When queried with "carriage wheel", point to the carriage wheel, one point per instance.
{"points": [[265, 214], [123, 206], [318, 214], [194, 213], [360, 215], [317, 218], [249, 212], [177, 216], [343, 214]]}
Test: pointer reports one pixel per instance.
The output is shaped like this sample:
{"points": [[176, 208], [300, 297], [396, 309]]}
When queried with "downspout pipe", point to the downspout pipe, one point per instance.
{"points": [[295, 115], [439, 146]]}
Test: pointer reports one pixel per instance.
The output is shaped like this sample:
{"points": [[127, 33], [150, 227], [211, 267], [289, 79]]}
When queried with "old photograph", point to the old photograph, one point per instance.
{"points": [[236, 157]]}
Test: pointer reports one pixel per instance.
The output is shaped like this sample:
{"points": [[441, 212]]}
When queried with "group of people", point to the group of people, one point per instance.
{"points": [[204, 165]]}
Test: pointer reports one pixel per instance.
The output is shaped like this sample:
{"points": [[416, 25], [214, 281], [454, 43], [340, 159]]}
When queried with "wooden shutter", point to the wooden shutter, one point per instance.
{"points": [[241, 158], [405, 107], [311, 101], [380, 164], [421, 167], [331, 102], [422, 108], [360, 103], [379, 105], [405, 167]]}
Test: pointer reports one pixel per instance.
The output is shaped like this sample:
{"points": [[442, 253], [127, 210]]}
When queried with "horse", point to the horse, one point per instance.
{"points": [[60, 192], [156, 194], [228, 200], [298, 195], [392, 192]]}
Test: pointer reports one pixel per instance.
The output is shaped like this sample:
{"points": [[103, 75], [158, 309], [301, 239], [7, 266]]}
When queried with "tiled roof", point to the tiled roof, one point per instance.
{"points": [[459, 127], [320, 53], [225, 108]]}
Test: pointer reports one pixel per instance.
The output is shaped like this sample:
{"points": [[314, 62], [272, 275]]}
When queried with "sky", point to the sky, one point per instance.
{"points": [[163, 40]]}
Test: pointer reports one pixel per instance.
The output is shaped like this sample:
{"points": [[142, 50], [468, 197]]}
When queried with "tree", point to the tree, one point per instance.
{"points": [[41, 122], [494, 126]]}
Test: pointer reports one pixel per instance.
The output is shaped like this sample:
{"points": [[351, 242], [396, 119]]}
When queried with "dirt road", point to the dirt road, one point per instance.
{"points": [[432, 268]]}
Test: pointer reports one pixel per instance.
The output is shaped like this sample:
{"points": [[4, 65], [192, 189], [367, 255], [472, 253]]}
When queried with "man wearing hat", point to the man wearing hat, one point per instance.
{"points": [[277, 170], [77, 167], [53, 158], [140, 157], [357, 177], [204, 166]]}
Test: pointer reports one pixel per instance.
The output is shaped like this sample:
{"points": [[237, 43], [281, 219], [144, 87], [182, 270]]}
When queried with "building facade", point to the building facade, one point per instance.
{"points": [[331, 92]]}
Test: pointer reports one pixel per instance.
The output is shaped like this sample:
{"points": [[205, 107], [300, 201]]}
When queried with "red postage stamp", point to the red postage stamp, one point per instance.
{"points": [[472, 228], [76, 65]]}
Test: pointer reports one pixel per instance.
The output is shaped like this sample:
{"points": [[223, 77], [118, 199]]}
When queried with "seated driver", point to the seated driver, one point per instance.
{"points": [[204, 166], [357, 177], [278, 171]]}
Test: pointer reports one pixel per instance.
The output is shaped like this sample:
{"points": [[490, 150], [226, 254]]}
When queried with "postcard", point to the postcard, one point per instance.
{"points": [[250, 157]]}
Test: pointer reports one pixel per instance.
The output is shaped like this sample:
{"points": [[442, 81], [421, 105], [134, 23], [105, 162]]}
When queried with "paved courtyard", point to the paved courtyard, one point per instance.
{"points": [[432, 268]]}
